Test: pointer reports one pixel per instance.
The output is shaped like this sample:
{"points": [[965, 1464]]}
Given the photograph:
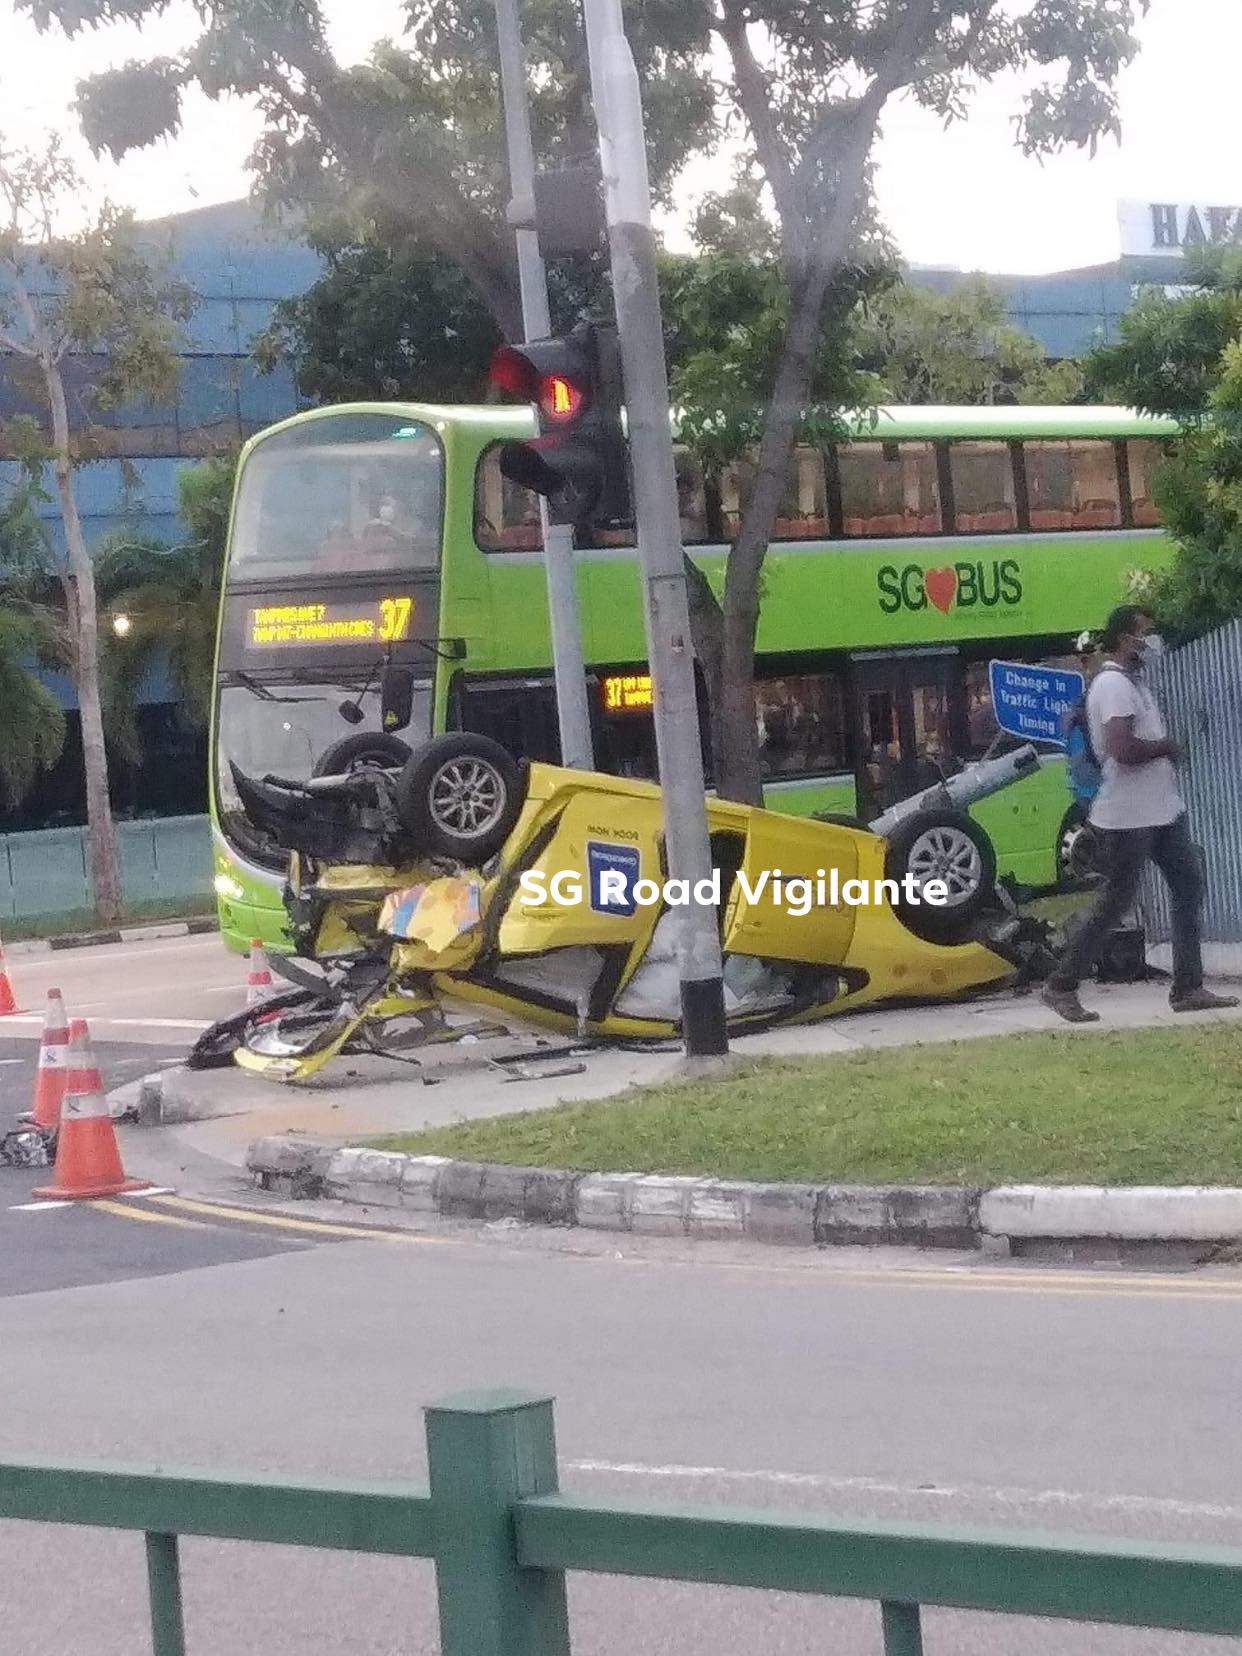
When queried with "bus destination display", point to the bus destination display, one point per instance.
{"points": [[281, 626], [627, 692]]}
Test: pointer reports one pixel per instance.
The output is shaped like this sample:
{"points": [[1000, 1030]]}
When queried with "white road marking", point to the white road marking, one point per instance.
{"points": [[1154, 1504], [39, 1207]]}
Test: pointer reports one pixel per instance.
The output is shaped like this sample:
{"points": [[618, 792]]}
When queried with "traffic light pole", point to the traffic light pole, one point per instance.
{"points": [[622, 144], [568, 667]]}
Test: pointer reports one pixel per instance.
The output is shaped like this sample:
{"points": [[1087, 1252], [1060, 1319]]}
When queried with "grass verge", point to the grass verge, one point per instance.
{"points": [[1160, 1106], [82, 921]]}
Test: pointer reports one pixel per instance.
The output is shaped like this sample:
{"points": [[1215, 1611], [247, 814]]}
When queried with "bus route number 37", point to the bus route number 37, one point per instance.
{"points": [[394, 619]]}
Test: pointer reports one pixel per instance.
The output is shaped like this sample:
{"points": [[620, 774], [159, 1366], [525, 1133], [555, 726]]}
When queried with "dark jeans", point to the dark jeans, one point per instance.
{"points": [[1124, 852]]}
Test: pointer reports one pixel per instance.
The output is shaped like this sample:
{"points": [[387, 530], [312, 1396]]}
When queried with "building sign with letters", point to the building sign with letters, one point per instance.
{"points": [[1165, 229]]}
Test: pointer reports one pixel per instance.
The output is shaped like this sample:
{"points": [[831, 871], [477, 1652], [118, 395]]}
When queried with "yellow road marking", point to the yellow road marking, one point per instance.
{"points": [[321, 1227], [122, 1210], [971, 1278]]}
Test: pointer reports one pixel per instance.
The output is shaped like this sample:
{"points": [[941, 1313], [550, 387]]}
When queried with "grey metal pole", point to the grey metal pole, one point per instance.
{"points": [[627, 192], [568, 668]]}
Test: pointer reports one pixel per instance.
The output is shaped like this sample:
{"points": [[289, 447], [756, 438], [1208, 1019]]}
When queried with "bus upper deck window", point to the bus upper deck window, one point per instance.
{"points": [[889, 489], [1072, 485], [984, 494]]}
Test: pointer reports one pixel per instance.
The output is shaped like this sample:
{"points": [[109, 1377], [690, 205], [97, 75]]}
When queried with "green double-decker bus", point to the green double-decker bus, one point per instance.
{"points": [[376, 538]]}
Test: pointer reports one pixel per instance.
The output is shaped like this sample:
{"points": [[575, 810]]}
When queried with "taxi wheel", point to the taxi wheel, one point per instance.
{"points": [[363, 748], [1078, 851], [459, 796], [951, 847]]}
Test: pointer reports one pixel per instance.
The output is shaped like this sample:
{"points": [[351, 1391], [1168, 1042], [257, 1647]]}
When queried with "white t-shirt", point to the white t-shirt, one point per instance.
{"points": [[1130, 796]]}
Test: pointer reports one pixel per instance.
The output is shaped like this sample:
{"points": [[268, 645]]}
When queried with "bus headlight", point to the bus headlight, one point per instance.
{"points": [[227, 886]]}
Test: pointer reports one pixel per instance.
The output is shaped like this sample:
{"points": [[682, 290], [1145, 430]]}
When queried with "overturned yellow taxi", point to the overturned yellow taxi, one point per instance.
{"points": [[543, 893]]}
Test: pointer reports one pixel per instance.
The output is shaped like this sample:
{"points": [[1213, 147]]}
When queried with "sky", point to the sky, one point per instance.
{"points": [[963, 197]]}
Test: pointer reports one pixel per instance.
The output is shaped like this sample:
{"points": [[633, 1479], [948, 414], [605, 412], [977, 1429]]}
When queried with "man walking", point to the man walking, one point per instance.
{"points": [[1138, 814]]}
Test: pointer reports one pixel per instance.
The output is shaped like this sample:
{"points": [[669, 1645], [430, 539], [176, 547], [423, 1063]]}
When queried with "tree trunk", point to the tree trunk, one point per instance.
{"points": [[740, 775], [84, 619], [707, 635]]}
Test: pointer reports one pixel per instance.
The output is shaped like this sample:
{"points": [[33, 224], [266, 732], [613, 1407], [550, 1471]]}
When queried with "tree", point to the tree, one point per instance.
{"points": [[407, 149], [169, 597], [93, 292], [32, 734], [1182, 357], [395, 323], [956, 347], [810, 86]]}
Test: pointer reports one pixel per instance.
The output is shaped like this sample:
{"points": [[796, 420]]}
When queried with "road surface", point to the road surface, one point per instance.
{"points": [[885, 1384]]}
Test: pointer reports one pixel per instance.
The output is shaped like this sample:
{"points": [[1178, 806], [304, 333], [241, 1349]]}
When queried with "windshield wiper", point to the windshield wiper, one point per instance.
{"points": [[262, 691]]}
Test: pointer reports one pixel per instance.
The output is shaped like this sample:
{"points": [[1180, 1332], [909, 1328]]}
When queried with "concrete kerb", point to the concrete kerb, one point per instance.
{"points": [[1017, 1219], [127, 934]]}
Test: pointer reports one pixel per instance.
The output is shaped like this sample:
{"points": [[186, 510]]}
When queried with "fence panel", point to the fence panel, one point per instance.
{"points": [[502, 1539], [45, 873], [48, 873], [1200, 686]]}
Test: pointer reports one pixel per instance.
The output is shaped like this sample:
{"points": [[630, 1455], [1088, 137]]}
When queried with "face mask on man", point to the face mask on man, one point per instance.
{"points": [[1153, 648]]}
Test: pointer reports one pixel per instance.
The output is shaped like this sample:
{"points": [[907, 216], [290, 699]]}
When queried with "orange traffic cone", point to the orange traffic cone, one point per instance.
{"points": [[88, 1162], [8, 1002], [53, 1068], [259, 982]]}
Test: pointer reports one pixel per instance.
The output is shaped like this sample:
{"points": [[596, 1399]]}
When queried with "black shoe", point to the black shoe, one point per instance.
{"points": [[1202, 1000], [1066, 1004]]}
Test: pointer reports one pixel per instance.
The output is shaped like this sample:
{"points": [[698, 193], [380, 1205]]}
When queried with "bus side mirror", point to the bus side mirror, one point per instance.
{"points": [[396, 698]]}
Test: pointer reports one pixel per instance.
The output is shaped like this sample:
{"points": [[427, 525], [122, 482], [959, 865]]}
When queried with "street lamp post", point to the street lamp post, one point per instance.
{"points": [[627, 194], [568, 668]]}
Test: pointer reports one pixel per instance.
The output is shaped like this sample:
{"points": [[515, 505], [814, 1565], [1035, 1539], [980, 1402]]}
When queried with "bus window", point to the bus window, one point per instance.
{"points": [[1072, 485], [981, 726], [348, 494], [984, 500], [519, 714], [801, 723], [889, 489], [933, 734], [506, 516], [803, 513], [1145, 457], [691, 507]]}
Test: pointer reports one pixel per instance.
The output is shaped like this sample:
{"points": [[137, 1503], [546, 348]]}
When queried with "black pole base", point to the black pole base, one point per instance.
{"points": [[703, 1018]]}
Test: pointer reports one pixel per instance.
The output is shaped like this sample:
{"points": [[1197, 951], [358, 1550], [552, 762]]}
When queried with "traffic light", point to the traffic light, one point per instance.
{"points": [[579, 461]]}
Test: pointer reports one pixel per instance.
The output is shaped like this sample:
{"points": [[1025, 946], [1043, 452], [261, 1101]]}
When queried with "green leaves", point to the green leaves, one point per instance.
{"points": [[958, 347], [1183, 357], [127, 108]]}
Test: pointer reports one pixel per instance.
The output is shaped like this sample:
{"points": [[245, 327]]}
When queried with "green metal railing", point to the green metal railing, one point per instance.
{"points": [[502, 1538]]}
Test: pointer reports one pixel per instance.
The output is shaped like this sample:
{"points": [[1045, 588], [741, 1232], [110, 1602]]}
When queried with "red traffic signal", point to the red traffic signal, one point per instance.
{"points": [[559, 389], [578, 462]]}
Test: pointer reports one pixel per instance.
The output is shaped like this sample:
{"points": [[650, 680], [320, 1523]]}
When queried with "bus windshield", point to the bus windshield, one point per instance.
{"points": [[353, 494]]}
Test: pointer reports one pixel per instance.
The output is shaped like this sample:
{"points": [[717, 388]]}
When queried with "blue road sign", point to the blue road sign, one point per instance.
{"points": [[1031, 702]]}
